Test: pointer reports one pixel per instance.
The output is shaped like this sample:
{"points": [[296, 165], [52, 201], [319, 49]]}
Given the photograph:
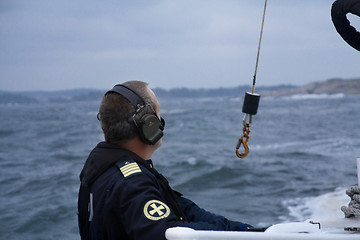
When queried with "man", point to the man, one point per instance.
{"points": [[121, 194]]}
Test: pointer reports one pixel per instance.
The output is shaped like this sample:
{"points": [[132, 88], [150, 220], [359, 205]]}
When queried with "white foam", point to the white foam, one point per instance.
{"points": [[191, 160], [325, 206], [173, 111], [275, 146], [316, 96]]}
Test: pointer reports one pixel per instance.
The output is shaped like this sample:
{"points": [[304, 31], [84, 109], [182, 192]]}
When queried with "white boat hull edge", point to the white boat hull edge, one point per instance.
{"points": [[310, 229]]}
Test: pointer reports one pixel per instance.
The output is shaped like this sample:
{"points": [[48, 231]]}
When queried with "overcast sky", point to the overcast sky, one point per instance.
{"points": [[66, 44]]}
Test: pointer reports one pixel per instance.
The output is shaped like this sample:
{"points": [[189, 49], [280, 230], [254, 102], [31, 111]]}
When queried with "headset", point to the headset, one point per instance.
{"points": [[150, 126]]}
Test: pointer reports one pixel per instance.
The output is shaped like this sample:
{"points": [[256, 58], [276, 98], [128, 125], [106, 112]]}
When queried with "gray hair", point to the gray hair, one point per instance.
{"points": [[116, 113]]}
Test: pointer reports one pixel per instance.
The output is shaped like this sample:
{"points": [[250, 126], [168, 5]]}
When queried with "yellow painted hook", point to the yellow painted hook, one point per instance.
{"points": [[246, 148]]}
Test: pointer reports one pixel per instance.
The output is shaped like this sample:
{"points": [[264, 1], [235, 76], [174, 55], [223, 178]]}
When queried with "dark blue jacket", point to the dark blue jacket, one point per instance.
{"points": [[129, 201]]}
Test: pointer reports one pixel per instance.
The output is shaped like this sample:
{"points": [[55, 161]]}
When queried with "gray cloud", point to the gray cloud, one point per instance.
{"points": [[51, 45]]}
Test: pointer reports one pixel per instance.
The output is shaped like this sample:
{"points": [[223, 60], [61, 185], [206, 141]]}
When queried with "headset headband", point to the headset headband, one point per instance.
{"points": [[135, 99]]}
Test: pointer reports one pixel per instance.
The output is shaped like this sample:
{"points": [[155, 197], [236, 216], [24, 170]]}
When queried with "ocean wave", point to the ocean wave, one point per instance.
{"points": [[325, 206], [275, 146], [173, 111], [315, 96]]}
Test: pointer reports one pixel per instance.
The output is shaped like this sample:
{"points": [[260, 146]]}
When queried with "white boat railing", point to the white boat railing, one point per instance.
{"points": [[308, 230]]}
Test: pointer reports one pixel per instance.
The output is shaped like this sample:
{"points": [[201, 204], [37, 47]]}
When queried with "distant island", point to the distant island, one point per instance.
{"points": [[331, 86]]}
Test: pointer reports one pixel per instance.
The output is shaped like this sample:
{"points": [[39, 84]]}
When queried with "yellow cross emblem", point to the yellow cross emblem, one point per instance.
{"points": [[156, 210]]}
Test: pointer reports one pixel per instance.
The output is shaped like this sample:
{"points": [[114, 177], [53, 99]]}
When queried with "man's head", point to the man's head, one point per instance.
{"points": [[130, 110]]}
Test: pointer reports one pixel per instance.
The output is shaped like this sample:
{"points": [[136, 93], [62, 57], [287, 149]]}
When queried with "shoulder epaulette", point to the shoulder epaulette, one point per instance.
{"points": [[129, 168]]}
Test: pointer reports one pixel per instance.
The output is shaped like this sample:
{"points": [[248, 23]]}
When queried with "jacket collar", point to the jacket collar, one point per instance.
{"points": [[101, 158]]}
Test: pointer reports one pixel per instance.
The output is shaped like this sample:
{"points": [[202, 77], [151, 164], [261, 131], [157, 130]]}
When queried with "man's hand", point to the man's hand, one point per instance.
{"points": [[353, 209]]}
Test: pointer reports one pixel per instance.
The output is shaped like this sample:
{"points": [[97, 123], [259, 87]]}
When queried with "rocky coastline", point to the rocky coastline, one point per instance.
{"points": [[331, 86]]}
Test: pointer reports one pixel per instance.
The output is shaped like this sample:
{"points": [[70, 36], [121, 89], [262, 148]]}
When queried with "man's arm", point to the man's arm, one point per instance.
{"points": [[200, 219]]}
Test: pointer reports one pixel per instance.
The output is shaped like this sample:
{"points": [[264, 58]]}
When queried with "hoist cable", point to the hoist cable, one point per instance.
{"points": [[258, 52], [251, 101]]}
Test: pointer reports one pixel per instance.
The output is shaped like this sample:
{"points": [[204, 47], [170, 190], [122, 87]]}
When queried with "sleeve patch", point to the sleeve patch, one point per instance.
{"points": [[156, 210], [130, 169]]}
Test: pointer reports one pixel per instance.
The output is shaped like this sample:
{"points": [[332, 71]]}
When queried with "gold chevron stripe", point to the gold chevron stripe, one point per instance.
{"points": [[130, 169]]}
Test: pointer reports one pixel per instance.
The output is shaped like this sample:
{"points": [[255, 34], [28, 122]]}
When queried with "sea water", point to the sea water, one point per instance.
{"points": [[303, 152]]}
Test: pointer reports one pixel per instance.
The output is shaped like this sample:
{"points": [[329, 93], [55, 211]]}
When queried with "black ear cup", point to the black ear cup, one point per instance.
{"points": [[150, 128]]}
